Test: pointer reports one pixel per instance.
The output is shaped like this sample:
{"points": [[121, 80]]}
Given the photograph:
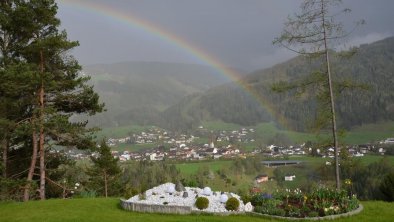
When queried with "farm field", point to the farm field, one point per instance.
{"points": [[101, 209], [192, 167]]}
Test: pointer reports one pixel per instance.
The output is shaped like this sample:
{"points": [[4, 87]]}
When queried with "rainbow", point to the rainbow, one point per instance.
{"points": [[165, 36]]}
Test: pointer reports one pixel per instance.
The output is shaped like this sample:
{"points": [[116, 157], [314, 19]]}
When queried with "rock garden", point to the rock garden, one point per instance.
{"points": [[175, 198], [200, 200]]}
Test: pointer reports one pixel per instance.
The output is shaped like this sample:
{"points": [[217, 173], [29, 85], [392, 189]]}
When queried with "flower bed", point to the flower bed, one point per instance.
{"points": [[293, 203]]}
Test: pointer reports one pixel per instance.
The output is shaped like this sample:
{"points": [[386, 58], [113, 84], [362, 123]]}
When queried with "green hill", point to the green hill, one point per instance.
{"points": [[372, 65], [136, 92]]}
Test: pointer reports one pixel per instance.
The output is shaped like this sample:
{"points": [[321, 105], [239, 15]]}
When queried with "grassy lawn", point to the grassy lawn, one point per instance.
{"points": [[101, 209]]}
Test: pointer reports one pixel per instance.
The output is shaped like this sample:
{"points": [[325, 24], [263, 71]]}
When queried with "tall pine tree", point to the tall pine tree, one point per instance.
{"points": [[31, 41], [105, 168]]}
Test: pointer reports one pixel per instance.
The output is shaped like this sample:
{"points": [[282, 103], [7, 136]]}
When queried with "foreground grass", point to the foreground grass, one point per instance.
{"points": [[101, 209]]}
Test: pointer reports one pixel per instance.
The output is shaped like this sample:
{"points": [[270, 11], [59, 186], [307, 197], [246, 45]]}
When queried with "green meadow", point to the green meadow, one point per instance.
{"points": [[190, 168], [101, 209]]}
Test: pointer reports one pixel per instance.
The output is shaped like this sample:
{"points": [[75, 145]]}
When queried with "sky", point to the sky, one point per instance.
{"points": [[235, 33]]}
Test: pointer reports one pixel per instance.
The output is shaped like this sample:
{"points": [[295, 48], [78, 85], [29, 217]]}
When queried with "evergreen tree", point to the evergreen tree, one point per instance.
{"points": [[105, 168], [42, 86], [387, 187]]}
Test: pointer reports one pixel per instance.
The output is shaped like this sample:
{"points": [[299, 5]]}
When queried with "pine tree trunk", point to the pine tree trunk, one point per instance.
{"points": [[4, 144], [332, 102], [33, 162], [42, 137], [105, 184]]}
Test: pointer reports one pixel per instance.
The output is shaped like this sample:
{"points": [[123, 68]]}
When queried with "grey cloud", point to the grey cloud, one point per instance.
{"points": [[238, 33]]}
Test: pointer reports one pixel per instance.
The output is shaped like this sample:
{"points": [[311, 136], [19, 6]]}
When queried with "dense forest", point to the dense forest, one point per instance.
{"points": [[371, 68]]}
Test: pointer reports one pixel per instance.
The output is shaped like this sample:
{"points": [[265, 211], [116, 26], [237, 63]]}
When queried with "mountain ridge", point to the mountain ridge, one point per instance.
{"points": [[134, 91], [373, 65]]}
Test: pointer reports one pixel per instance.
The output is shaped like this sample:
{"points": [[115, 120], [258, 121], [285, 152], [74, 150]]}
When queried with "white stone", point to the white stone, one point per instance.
{"points": [[248, 207], [223, 198], [170, 189], [207, 191]]}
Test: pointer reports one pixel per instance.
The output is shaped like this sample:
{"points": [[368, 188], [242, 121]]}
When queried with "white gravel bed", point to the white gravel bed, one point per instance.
{"points": [[159, 195]]}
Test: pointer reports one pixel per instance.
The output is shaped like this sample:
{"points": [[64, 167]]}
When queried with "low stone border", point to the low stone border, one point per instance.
{"points": [[218, 213], [330, 217], [150, 208]]}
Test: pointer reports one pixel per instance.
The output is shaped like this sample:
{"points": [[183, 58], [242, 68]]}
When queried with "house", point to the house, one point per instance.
{"points": [[261, 178], [290, 177], [211, 151], [389, 141], [255, 190], [381, 151]]}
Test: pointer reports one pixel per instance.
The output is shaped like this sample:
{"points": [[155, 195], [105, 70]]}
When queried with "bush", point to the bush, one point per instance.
{"points": [[278, 212], [202, 203], [313, 214], [232, 204], [142, 196], [87, 194], [387, 187], [260, 199]]}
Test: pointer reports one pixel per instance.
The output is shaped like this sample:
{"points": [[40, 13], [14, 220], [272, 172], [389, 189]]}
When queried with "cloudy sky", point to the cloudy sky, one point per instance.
{"points": [[236, 33]]}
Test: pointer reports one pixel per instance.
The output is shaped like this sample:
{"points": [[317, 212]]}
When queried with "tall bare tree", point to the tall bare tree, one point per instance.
{"points": [[314, 33]]}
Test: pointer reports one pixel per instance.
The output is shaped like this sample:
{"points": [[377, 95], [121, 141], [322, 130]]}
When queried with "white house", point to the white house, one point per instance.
{"points": [[290, 177], [389, 141]]}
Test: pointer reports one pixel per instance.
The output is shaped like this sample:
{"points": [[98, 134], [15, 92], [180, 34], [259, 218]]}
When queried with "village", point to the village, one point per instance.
{"points": [[165, 145]]}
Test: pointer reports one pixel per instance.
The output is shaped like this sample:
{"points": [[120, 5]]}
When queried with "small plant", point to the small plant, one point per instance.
{"points": [[202, 203], [142, 196], [278, 212], [88, 194], [313, 214], [260, 199], [232, 204]]}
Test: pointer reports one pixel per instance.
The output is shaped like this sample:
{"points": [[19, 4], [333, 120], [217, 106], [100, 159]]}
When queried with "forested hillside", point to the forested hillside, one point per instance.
{"points": [[372, 66], [136, 92]]}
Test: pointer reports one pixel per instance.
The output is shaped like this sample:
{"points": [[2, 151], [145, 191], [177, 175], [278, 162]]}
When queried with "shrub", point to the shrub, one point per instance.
{"points": [[387, 187], [88, 194], [142, 196], [313, 214], [278, 212], [260, 199], [232, 204], [202, 203]]}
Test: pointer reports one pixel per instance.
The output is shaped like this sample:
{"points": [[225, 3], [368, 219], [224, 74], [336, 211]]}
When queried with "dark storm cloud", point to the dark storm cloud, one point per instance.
{"points": [[237, 32]]}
